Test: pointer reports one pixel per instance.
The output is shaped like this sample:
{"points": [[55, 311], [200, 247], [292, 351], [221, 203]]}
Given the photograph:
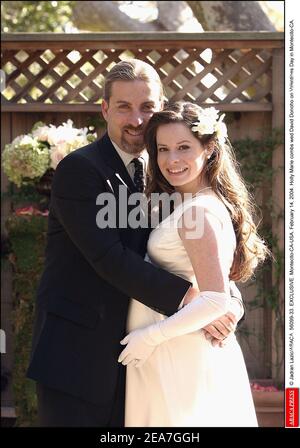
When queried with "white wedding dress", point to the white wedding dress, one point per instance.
{"points": [[187, 382]]}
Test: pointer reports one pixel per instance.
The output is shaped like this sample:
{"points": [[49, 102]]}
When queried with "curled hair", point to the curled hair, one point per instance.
{"points": [[222, 173]]}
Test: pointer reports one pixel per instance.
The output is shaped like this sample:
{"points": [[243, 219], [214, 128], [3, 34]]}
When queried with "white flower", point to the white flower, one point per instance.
{"points": [[16, 141], [27, 140], [56, 156], [211, 113], [204, 127], [41, 133], [61, 134], [206, 121], [221, 130], [209, 122], [63, 147], [29, 156]]}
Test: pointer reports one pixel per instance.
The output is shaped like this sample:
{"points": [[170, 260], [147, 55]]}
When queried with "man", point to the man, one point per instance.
{"points": [[91, 272]]}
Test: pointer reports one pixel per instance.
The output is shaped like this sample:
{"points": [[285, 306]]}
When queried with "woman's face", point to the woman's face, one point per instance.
{"points": [[180, 157]]}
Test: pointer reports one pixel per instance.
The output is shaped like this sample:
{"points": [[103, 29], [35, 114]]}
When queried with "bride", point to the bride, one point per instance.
{"points": [[175, 376]]}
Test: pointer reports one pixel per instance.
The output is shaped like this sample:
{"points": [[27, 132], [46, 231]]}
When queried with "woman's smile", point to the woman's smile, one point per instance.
{"points": [[177, 171]]}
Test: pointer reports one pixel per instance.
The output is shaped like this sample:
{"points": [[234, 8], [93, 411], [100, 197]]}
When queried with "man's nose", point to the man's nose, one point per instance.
{"points": [[136, 119]]}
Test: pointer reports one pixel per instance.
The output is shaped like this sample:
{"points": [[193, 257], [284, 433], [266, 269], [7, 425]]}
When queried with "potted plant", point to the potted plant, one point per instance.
{"points": [[269, 403]]}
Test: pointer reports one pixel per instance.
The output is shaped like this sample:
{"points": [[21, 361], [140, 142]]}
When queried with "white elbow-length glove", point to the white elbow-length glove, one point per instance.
{"points": [[141, 343]]}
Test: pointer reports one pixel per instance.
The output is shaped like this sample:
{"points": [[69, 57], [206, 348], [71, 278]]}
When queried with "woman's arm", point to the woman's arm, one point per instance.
{"points": [[211, 271], [205, 247]]}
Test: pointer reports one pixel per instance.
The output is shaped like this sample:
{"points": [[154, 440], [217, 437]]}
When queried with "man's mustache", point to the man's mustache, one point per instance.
{"points": [[131, 128]]}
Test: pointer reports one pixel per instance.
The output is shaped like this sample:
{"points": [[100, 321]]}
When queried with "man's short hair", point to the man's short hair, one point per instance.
{"points": [[131, 70]]}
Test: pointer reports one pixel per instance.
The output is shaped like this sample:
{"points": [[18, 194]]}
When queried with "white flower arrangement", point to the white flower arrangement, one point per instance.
{"points": [[28, 157], [210, 122]]}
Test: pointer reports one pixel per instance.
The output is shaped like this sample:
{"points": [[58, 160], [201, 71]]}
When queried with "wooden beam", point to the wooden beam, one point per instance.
{"points": [[127, 40], [127, 45], [42, 107], [130, 36]]}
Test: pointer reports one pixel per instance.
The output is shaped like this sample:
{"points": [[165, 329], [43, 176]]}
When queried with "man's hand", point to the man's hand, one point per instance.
{"points": [[221, 329]]}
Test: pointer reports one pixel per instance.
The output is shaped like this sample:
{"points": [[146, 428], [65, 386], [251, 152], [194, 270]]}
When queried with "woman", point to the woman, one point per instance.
{"points": [[175, 377]]}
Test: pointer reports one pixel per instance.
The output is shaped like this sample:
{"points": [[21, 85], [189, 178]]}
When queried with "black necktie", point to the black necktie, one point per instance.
{"points": [[138, 175]]}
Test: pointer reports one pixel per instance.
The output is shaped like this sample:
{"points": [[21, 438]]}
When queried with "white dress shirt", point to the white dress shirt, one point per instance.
{"points": [[128, 158]]}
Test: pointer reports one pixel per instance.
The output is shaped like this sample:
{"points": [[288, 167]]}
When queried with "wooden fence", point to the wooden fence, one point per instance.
{"points": [[52, 77], [232, 71]]}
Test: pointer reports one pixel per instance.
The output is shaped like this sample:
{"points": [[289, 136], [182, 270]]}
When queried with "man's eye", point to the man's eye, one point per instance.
{"points": [[148, 108], [123, 106]]}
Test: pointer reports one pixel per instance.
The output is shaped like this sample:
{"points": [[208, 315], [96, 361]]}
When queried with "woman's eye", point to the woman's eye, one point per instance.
{"points": [[183, 147], [162, 149]]}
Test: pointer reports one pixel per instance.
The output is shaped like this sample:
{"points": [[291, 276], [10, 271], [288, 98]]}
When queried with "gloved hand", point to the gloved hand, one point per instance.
{"points": [[140, 345]]}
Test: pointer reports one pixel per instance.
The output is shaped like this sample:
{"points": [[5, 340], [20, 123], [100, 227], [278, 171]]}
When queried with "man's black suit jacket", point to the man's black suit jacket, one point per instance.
{"points": [[89, 276]]}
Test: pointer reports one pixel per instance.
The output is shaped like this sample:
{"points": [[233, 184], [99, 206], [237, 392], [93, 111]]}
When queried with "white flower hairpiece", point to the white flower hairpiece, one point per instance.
{"points": [[209, 122]]}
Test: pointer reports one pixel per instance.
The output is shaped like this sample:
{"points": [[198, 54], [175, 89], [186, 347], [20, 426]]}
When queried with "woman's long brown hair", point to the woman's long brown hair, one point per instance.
{"points": [[222, 174]]}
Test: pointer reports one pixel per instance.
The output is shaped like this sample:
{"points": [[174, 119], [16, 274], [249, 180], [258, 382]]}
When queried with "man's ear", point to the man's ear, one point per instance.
{"points": [[104, 109]]}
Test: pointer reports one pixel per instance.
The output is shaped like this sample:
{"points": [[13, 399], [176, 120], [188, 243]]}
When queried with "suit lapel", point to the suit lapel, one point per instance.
{"points": [[114, 171], [119, 172]]}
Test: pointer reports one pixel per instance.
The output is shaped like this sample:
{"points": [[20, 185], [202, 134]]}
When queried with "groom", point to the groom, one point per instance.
{"points": [[90, 272]]}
